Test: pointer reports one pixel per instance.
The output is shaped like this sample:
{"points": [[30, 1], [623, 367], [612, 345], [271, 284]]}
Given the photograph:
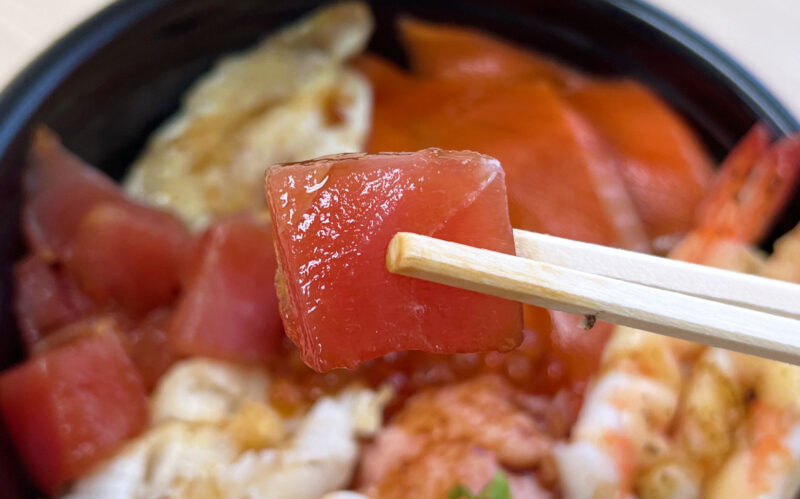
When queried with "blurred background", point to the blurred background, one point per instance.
{"points": [[762, 35]]}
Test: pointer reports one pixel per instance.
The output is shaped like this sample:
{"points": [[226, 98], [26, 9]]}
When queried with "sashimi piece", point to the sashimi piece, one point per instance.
{"points": [[128, 255], [72, 406], [118, 252], [229, 307], [145, 341], [457, 52], [333, 219], [665, 167], [561, 178], [59, 190], [569, 355], [45, 299]]}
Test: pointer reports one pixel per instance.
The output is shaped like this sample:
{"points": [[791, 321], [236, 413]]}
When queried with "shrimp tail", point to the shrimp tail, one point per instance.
{"points": [[775, 181], [734, 170], [754, 184]]}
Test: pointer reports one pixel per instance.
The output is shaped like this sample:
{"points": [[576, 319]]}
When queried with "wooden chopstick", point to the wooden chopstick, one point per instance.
{"points": [[575, 291], [749, 291]]}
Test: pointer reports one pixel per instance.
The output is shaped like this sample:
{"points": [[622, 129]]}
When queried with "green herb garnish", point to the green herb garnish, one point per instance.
{"points": [[497, 488]]}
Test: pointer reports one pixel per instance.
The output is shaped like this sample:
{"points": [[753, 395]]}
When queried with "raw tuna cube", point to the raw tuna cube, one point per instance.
{"points": [[45, 299], [117, 251], [229, 309], [333, 219], [59, 189], [70, 407], [146, 341], [128, 255]]}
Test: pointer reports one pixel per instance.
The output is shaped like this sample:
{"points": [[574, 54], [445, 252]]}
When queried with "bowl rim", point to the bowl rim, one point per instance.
{"points": [[24, 94], [718, 62], [26, 91]]}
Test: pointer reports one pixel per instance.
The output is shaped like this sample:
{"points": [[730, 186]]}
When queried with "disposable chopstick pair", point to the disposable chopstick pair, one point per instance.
{"points": [[726, 309]]}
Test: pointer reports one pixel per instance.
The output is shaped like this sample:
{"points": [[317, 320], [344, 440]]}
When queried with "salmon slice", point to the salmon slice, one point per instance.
{"points": [[666, 169], [561, 178], [457, 52]]}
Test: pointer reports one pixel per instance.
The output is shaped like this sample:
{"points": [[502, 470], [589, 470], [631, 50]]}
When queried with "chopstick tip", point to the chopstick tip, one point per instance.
{"points": [[395, 253]]}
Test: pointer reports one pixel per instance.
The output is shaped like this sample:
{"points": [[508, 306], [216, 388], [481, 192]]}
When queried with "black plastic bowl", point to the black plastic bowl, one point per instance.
{"points": [[106, 85]]}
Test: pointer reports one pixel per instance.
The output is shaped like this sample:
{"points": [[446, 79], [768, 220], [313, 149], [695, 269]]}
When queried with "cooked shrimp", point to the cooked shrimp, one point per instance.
{"points": [[622, 430], [766, 459], [714, 401], [754, 184], [740, 427], [712, 407]]}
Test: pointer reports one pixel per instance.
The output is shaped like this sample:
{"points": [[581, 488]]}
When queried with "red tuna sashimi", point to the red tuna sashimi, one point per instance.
{"points": [[45, 299], [70, 407], [145, 341], [128, 255], [117, 251], [229, 308], [60, 189], [444, 51], [666, 169], [561, 178], [333, 220]]}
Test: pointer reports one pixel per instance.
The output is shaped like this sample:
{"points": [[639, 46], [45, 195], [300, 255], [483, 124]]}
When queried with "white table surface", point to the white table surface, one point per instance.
{"points": [[762, 35]]}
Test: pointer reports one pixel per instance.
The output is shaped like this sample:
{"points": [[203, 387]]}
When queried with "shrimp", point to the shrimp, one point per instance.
{"points": [[621, 441], [714, 404], [712, 407], [765, 461]]}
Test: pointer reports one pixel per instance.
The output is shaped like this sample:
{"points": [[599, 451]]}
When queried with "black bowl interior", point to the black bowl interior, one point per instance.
{"points": [[109, 83]]}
